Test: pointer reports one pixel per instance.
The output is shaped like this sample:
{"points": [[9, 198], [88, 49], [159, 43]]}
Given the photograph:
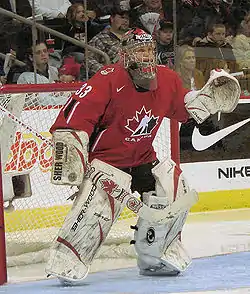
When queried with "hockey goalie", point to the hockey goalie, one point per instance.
{"points": [[103, 144]]}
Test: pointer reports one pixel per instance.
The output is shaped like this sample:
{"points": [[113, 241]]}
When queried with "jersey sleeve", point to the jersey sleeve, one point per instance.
{"points": [[179, 111], [85, 107]]}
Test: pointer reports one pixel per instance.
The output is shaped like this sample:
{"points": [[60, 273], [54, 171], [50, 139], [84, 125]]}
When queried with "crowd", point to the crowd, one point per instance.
{"points": [[210, 34]]}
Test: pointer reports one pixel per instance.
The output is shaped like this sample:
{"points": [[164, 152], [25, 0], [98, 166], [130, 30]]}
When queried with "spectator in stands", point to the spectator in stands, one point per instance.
{"points": [[77, 18], [21, 42], [108, 40], [45, 72], [185, 66], [146, 16], [101, 7], [9, 28], [241, 44], [70, 71], [186, 10], [51, 9], [209, 11], [164, 43], [214, 48], [75, 28]]}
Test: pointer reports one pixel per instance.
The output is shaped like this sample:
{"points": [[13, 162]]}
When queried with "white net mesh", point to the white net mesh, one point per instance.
{"points": [[33, 221]]}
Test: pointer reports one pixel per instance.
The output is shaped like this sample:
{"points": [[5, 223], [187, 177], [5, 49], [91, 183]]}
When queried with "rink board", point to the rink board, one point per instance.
{"points": [[38, 218], [226, 272]]}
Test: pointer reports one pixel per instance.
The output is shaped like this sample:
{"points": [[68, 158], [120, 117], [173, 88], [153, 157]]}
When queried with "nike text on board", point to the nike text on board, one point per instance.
{"points": [[234, 172]]}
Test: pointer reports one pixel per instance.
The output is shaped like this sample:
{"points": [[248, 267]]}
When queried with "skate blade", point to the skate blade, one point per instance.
{"points": [[159, 273]]}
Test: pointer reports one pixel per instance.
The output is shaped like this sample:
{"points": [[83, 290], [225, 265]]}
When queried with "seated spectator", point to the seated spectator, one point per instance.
{"points": [[45, 72], [214, 48], [9, 63], [146, 16], [209, 11], [75, 28], [20, 42], [186, 10], [9, 27], [51, 9], [70, 71], [108, 40], [241, 44], [164, 44], [191, 77]]}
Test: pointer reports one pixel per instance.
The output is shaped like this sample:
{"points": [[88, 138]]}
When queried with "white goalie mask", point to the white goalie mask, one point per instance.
{"points": [[139, 58]]}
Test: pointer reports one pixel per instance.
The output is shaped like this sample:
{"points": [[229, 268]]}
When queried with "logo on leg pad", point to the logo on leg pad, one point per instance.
{"points": [[150, 236]]}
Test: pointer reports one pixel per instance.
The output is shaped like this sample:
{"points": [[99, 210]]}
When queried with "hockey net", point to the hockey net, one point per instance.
{"points": [[34, 215]]}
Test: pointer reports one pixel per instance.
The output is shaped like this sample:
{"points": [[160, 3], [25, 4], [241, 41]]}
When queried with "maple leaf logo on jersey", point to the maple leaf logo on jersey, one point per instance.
{"points": [[142, 123], [109, 186]]}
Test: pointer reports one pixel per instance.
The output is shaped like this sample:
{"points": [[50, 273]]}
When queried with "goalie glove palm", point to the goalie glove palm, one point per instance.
{"points": [[220, 94], [70, 157]]}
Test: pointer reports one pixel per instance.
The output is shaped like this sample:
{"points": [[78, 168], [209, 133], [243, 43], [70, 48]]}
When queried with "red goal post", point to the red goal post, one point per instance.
{"points": [[3, 266], [33, 218]]}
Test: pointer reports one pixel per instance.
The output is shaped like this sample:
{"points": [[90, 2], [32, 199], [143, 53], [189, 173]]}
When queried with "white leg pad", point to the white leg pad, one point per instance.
{"points": [[85, 227], [158, 249]]}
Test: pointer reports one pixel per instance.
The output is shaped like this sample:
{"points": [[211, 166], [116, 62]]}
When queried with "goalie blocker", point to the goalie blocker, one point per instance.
{"points": [[70, 157]]}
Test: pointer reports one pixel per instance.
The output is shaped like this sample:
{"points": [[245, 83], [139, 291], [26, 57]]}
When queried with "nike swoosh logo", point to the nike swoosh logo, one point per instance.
{"points": [[201, 142], [119, 89]]}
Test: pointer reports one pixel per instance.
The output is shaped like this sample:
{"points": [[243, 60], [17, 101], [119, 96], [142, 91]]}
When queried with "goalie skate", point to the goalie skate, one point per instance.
{"points": [[86, 227], [176, 260]]}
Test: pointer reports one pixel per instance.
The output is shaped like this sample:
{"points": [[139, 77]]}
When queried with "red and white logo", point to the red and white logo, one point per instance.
{"points": [[107, 71], [109, 186], [142, 123], [134, 204]]}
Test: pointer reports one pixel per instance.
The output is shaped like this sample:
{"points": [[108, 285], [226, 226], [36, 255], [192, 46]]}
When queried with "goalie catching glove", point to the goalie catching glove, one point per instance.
{"points": [[220, 94], [70, 157]]}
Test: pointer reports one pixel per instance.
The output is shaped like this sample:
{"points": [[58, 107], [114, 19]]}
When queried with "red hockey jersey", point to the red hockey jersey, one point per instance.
{"points": [[127, 120]]}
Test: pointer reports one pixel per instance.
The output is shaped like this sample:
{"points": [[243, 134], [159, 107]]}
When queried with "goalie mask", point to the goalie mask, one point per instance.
{"points": [[139, 58]]}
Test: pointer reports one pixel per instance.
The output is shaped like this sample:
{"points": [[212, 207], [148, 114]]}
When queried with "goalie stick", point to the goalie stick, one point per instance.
{"points": [[105, 182], [118, 193], [24, 125]]}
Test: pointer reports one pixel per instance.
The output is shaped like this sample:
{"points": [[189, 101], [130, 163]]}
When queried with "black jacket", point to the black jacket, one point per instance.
{"points": [[205, 15], [23, 7], [165, 54], [77, 31]]}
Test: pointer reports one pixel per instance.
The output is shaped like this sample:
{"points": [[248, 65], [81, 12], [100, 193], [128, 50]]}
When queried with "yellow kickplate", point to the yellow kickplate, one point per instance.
{"points": [[38, 218]]}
